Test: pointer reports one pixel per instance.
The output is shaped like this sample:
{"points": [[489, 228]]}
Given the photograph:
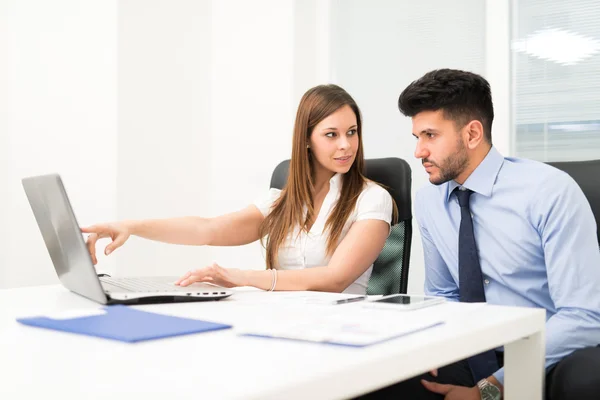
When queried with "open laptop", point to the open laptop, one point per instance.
{"points": [[73, 263]]}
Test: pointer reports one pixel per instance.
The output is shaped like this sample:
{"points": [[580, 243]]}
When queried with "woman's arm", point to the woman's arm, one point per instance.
{"points": [[349, 261], [237, 228], [233, 229]]}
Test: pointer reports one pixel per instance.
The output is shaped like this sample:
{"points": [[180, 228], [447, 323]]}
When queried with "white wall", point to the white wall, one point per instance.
{"points": [[4, 143], [252, 107], [164, 141], [312, 42], [202, 90], [498, 70], [205, 114], [61, 117]]}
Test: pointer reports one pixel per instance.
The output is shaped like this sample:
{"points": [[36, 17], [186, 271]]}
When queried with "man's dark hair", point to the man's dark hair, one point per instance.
{"points": [[463, 97]]}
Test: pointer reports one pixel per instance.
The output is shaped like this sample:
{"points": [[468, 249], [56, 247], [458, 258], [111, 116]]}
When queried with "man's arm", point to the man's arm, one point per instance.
{"points": [[565, 221], [438, 280]]}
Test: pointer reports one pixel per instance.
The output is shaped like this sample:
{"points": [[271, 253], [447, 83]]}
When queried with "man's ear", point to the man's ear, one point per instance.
{"points": [[475, 134]]}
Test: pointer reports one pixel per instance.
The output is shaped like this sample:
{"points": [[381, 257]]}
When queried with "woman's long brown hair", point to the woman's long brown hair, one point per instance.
{"points": [[288, 211]]}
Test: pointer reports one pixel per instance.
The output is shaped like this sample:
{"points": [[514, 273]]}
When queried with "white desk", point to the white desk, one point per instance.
{"points": [[37, 363]]}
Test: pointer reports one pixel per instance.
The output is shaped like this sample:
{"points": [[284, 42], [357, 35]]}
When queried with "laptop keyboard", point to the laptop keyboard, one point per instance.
{"points": [[142, 285]]}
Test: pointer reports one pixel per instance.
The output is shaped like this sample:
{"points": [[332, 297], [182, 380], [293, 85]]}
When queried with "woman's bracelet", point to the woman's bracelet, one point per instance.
{"points": [[273, 279]]}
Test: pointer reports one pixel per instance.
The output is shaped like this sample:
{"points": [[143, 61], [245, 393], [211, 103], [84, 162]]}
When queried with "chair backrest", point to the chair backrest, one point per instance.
{"points": [[587, 176], [390, 270]]}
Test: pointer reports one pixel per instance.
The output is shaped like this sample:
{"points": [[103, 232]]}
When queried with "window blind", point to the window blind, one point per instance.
{"points": [[556, 79]]}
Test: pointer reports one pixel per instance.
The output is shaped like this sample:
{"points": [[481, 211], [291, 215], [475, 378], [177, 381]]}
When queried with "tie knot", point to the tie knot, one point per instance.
{"points": [[463, 197]]}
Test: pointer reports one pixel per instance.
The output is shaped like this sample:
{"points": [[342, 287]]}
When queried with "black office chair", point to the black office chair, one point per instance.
{"points": [[587, 176], [390, 270]]}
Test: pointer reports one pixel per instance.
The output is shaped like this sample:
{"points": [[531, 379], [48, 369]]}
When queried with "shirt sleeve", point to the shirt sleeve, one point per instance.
{"points": [[374, 203], [438, 280], [566, 225], [265, 202]]}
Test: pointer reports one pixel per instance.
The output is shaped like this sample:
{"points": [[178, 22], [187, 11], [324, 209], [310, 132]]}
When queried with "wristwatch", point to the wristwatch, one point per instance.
{"points": [[488, 390]]}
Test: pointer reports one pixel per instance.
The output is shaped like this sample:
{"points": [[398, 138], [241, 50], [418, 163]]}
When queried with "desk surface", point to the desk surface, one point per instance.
{"points": [[223, 365]]}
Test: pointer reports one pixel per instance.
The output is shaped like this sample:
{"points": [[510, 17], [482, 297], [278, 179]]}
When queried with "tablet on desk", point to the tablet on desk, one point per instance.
{"points": [[406, 302]]}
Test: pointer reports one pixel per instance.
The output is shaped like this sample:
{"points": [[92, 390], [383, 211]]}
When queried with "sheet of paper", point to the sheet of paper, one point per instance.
{"points": [[352, 326]]}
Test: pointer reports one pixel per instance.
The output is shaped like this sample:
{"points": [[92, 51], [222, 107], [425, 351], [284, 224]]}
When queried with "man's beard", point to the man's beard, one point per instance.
{"points": [[452, 166]]}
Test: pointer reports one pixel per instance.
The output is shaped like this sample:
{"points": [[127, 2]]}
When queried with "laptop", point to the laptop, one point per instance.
{"points": [[73, 264]]}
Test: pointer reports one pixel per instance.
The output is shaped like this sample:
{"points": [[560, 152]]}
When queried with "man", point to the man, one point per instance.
{"points": [[521, 231]]}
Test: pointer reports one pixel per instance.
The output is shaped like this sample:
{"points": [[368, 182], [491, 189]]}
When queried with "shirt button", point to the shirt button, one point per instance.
{"points": [[486, 281]]}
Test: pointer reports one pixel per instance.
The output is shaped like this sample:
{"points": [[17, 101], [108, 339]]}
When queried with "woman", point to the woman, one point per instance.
{"points": [[322, 232]]}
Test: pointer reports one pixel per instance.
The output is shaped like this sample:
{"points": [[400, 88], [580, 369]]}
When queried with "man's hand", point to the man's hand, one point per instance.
{"points": [[495, 382], [452, 392]]}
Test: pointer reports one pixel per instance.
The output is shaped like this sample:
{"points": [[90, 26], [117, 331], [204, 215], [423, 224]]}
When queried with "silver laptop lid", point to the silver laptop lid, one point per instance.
{"points": [[62, 235]]}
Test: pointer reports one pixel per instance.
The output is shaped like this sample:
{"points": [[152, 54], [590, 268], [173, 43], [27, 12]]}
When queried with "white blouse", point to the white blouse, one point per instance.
{"points": [[310, 250]]}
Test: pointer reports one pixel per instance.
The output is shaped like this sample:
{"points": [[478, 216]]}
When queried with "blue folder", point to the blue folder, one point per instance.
{"points": [[126, 324]]}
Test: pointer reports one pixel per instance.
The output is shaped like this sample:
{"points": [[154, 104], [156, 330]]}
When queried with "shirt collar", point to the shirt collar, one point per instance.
{"points": [[336, 181], [482, 180]]}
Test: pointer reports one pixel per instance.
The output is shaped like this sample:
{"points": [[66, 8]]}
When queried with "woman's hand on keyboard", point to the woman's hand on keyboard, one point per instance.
{"points": [[117, 231], [215, 274]]}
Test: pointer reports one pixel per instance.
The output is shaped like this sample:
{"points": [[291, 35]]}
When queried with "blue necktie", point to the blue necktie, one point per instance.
{"points": [[470, 281]]}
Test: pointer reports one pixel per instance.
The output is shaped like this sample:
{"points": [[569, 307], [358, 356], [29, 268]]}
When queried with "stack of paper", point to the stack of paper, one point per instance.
{"points": [[351, 327]]}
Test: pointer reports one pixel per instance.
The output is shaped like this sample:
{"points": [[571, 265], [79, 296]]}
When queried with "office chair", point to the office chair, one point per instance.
{"points": [[390, 270], [587, 176]]}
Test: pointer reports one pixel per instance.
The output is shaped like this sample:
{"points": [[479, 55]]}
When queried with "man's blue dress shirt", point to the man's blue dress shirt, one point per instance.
{"points": [[537, 244]]}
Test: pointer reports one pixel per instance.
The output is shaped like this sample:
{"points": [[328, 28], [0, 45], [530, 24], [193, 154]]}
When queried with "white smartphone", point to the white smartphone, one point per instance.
{"points": [[406, 301]]}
